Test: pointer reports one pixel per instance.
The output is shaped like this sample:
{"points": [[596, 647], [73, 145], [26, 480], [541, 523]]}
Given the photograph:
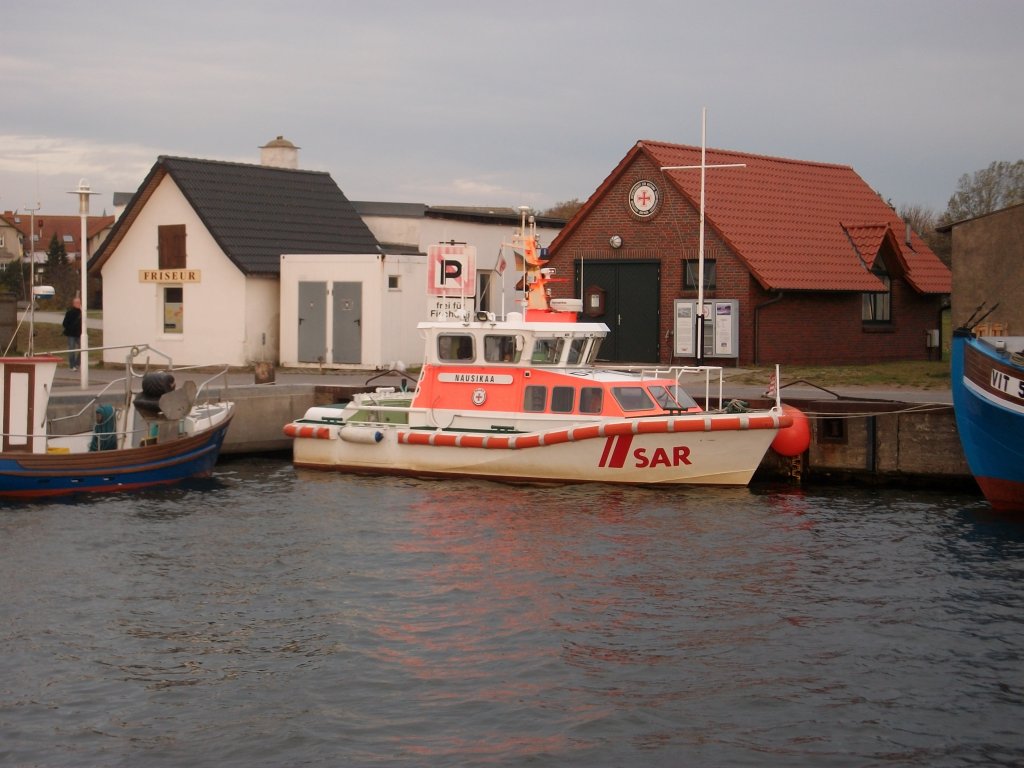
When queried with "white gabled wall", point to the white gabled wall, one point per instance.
{"points": [[216, 309]]}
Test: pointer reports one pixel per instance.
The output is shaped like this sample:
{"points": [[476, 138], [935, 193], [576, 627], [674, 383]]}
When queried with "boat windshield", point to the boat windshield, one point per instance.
{"points": [[576, 349], [673, 397], [632, 398]]}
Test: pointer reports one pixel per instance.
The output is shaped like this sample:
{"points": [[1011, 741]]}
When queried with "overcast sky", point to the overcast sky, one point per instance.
{"points": [[519, 102]]}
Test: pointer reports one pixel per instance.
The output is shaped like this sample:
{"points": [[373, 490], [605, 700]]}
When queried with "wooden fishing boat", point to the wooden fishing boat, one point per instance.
{"points": [[120, 440]]}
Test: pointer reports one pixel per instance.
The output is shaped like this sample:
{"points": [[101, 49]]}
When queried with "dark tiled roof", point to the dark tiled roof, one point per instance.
{"points": [[797, 225], [256, 212]]}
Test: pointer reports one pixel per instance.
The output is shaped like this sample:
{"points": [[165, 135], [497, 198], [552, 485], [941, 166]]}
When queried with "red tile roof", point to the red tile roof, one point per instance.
{"points": [[797, 225]]}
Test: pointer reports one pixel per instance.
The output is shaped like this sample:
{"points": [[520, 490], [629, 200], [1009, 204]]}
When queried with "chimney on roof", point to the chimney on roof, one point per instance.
{"points": [[909, 231], [279, 153]]}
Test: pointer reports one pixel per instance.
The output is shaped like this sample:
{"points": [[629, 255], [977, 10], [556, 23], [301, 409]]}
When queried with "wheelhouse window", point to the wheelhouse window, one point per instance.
{"points": [[691, 274], [455, 347], [632, 398], [577, 348], [547, 351], [174, 309], [502, 348]]}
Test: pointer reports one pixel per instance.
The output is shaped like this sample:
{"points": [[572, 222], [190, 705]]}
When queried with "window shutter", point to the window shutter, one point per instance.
{"points": [[171, 246]]}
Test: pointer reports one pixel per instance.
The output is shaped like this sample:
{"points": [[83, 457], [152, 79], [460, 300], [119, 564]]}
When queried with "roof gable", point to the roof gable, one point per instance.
{"points": [[784, 219], [255, 212]]}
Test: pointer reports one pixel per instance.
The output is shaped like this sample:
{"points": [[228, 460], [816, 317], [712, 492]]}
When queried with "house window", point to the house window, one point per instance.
{"points": [[876, 307], [171, 246], [173, 309], [691, 274], [393, 284]]}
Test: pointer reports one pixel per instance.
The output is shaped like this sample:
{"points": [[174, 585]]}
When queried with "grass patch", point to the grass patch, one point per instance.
{"points": [[48, 337]]}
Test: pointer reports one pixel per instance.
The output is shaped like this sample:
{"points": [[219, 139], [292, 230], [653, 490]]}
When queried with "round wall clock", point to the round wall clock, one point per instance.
{"points": [[643, 198]]}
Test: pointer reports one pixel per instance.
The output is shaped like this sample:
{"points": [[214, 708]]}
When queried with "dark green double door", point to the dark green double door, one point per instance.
{"points": [[631, 298]]}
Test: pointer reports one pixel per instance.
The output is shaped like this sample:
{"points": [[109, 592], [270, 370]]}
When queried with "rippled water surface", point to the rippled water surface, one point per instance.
{"points": [[271, 617]]}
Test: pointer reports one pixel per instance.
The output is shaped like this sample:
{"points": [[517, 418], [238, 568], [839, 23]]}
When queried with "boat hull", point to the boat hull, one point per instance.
{"points": [[988, 397], [30, 476], [701, 449]]}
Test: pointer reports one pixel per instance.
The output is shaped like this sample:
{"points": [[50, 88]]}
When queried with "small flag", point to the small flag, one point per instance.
{"points": [[773, 385], [500, 267]]}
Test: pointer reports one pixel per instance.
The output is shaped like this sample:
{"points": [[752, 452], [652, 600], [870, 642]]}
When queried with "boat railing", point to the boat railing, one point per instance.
{"points": [[83, 420], [709, 373]]}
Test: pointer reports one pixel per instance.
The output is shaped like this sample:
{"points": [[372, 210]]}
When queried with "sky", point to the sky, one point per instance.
{"points": [[529, 102]]}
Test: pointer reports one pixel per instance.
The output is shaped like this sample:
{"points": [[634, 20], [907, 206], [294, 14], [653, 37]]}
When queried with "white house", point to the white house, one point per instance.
{"points": [[192, 265]]}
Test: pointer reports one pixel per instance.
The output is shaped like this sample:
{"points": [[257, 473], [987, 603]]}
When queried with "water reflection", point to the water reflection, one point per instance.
{"points": [[281, 617]]}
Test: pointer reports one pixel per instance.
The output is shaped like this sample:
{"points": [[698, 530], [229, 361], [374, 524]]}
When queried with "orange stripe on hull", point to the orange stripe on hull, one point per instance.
{"points": [[307, 430], [704, 423]]}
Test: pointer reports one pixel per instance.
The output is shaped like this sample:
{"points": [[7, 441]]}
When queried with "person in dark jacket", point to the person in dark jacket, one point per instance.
{"points": [[73, 330]]}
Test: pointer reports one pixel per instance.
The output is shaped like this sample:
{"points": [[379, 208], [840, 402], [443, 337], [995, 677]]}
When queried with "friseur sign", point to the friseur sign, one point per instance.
{"points": [[170, 275]]}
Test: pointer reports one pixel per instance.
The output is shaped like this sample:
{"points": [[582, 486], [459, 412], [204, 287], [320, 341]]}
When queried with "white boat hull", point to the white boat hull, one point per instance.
{"points": [[703, 449]]}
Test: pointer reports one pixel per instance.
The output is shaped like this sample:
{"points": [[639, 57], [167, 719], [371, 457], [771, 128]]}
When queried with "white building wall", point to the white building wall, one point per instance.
{"points": [[262, 319], [215, 308], [421, 232], [389, 316]]}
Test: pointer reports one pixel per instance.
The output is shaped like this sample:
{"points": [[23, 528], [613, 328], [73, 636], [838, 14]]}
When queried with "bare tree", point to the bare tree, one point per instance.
{"points": [[987, 190], [563, 210], [924, 221]]}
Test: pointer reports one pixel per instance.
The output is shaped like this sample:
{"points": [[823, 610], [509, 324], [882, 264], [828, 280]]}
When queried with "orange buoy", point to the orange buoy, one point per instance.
{"points": [[794, 439]]}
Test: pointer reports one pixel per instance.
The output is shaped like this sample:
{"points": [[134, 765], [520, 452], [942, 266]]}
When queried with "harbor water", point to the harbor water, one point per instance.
{"points": [[274, 617]]}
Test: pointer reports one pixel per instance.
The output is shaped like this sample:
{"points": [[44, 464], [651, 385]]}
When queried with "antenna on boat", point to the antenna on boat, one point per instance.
{"points": [[700, 251]]}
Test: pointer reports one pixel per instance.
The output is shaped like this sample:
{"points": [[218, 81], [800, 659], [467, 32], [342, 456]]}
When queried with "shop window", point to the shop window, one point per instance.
{"points": [[174, 309]]}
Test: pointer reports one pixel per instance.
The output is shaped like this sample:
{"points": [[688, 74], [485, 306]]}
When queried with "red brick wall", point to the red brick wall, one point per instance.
{"points": [[811, 328]]}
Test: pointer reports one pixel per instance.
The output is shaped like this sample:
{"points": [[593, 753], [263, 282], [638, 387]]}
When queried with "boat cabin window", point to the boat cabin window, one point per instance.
{"points": [[562, 399], [534, 398], [591, 399], [632, 398], [502, 348], [547, 351], [576, 349], [673, 398], [455, 347]]}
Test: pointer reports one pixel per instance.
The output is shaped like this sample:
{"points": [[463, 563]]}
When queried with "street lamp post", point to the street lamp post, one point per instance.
{"points": [[31, 279], [83, 192]]}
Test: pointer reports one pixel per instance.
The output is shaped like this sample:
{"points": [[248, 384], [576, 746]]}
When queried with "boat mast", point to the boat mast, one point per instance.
{"points": [[699, 336]]}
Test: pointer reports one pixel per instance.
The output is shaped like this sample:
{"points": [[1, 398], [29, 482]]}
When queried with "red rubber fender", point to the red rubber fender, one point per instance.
{"points": [[796, 438]]}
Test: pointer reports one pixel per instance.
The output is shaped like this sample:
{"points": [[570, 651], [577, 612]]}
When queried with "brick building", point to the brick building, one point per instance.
{"points": [[804, 263]]}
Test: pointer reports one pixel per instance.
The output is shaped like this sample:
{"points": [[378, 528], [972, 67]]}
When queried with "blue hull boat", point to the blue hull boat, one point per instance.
{"points": [[987, 379], [116, 442]]}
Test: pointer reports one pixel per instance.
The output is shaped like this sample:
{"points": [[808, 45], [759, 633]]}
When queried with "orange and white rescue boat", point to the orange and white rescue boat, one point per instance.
{"points": [[520, 399]]}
